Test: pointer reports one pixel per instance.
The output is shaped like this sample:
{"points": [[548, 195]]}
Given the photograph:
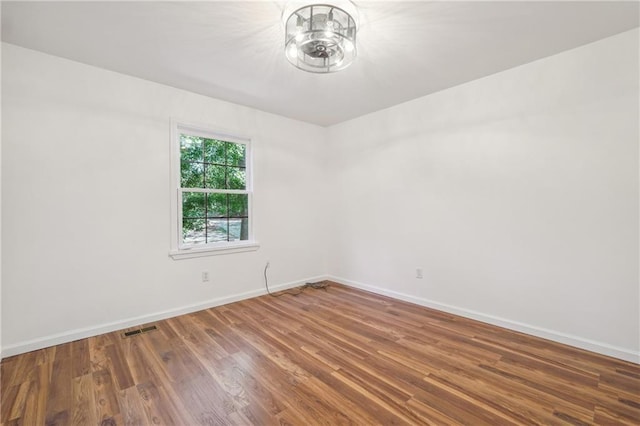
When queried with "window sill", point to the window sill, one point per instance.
{"points": [[214, 251]]}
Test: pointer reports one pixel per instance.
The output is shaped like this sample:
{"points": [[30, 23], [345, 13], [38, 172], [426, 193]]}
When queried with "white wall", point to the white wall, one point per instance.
{"points": [[0, 196], [517, 194], [85, 201]]}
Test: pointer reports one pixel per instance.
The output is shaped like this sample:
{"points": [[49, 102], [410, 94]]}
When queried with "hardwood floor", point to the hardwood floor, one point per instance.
{"points": [[324, 357]]}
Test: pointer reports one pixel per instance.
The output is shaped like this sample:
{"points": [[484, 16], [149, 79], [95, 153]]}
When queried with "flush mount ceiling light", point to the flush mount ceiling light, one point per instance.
{"points": [[321, 38]]}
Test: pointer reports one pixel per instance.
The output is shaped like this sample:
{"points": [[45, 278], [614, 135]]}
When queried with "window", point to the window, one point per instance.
{"points": [[212, 182]]}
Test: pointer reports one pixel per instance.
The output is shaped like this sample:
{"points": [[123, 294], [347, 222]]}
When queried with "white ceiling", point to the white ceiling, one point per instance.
{"points": [[234, 50]]}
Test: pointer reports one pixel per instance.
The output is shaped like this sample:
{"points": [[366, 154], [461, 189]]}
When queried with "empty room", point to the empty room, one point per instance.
{"points": [[320, 213]]}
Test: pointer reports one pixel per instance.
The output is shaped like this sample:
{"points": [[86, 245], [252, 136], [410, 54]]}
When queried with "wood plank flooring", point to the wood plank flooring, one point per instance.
{"points": [[340, 356]]}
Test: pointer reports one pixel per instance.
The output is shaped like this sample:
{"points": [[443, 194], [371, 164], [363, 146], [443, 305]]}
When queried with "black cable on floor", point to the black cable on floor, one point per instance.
{"points": [[316, 286]]}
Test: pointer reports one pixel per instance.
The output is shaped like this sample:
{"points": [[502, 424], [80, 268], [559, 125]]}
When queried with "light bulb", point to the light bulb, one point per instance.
{"points": [[328, 33], [299, 35], [293, 50], [348, 47]]}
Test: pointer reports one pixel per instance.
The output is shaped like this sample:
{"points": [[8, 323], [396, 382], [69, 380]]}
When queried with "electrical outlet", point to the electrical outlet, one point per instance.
{"points": [[205, 277], [419, 273]]}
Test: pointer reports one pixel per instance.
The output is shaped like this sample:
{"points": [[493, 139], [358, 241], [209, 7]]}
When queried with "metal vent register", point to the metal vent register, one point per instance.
{"points": [[139, 331]]}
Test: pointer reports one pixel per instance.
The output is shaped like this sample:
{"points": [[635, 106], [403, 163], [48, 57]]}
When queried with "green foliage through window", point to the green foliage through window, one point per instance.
{"points": [[213, 164]]}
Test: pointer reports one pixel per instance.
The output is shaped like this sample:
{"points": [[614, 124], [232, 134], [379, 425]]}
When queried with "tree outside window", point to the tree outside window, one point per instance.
{"points": [[214, 190]]}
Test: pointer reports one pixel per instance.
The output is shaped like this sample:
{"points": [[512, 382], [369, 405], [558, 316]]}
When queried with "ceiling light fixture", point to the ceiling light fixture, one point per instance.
{"points": [[321, 38]]}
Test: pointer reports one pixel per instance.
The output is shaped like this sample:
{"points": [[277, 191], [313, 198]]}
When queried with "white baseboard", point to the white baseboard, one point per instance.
{"points": [[556, 336], [82, 333]]}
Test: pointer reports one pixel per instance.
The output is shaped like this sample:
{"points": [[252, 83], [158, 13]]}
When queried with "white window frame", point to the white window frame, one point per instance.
{"points": [[178, 249]]}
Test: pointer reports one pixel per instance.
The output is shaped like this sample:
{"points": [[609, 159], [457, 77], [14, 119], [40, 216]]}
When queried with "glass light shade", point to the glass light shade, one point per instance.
{"points": [[320, 38]]}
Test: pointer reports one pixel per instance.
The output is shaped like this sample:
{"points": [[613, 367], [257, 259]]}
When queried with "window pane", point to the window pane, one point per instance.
{"points": [[238, 205], [193, 231], [236, 178], [238, 229], [190, 148], [217, 205], [216, 230], [215, 177], [236, 154], [210, 163], [191, 174], [193, 205], [214, 151]]}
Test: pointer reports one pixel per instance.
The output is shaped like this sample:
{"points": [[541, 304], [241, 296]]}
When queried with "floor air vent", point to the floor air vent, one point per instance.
{"points": [[139, 331]]}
